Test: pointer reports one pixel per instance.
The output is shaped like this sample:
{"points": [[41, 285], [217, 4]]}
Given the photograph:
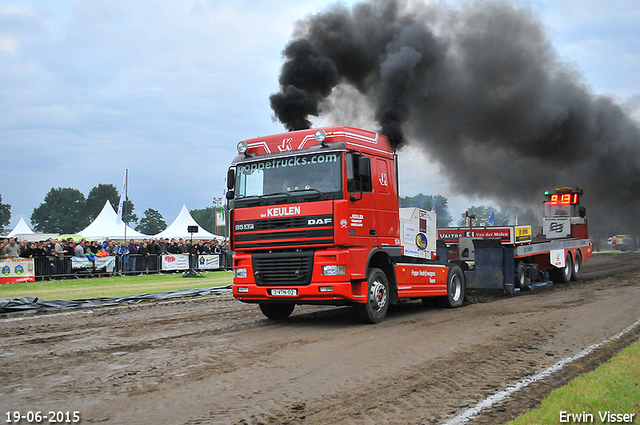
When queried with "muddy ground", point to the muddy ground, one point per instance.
{"points": [[215, 360]]}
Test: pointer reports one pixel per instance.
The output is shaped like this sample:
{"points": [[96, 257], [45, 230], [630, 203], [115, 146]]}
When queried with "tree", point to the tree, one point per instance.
{"points": [[127, 215], [483, 216], [5, 213], [63, 211], [152, 222], [98, 196], [205, 217], [427, 202]]}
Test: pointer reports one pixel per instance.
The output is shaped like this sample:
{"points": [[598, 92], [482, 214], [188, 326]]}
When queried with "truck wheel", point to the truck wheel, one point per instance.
{"points": [[520, 275], [577, 266], [375, 309], [277, 311], [455, 288], [563, 275]]}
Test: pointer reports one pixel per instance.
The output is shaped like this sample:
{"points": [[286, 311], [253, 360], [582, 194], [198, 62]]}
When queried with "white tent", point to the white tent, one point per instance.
{"points": [[178, 229], [21, 229], [106, 226]]}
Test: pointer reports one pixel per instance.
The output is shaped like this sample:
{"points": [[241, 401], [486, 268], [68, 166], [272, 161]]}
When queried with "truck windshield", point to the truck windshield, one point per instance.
{"points": [[317, 174]]}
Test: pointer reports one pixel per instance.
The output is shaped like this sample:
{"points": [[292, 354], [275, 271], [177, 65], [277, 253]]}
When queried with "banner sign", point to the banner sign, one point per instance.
{"points": [[107, 263], [209, 262], [13, 270], [506, 234], [175, 262]]}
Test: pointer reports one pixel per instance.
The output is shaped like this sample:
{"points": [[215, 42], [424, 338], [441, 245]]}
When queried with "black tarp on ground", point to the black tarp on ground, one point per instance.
{"points": [[33, 304]]}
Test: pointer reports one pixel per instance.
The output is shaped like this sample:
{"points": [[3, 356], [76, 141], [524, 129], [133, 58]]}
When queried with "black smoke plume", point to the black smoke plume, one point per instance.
{"points": [[481, 89]]}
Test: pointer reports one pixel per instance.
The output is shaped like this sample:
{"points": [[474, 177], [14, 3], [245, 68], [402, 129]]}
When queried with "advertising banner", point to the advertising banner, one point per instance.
{"points": [[209, 262], [13, 270], [175, 262], [107, 263]]}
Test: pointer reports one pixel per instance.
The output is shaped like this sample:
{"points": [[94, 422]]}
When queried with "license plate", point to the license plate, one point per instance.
{"points": [[284, 292]]}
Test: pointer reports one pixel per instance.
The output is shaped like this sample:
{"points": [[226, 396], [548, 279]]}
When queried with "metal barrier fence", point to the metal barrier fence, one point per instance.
{"points": [[67, 267]]}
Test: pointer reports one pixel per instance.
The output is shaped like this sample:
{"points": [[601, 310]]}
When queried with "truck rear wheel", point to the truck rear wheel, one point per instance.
{"points": [[455, 288], [375, 309], [564, 274], [277, 311], [577, 266], [520, 275]]}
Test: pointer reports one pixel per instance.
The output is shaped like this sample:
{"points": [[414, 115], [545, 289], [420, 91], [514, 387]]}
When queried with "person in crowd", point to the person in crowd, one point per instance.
{"points": [[112, 248], [60, 251], [95, 247], [22, 246], [78, 251], [12, 249], [173, 247], [216, 247], [224, 247], [29, 251], [40, 260], [68, 249], [2, 253], [105, 243], [162, 246], [144, 256], [154, 254], [205, 248], [132, 248], [52, 258]]}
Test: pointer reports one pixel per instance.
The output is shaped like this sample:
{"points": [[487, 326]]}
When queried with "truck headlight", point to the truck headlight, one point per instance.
{"points": [[334, 270], [240, 273]]}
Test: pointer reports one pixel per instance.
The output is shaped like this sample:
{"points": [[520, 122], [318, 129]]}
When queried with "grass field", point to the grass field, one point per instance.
{"points": [[112, 286], [613, 387]]}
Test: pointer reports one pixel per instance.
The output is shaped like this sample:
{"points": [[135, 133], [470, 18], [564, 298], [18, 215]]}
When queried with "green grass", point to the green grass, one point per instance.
{"points": [[613, 386], [112, 286]]}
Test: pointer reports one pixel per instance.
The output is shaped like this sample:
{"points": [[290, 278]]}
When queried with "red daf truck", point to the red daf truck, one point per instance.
{"points": [[314, 219]]}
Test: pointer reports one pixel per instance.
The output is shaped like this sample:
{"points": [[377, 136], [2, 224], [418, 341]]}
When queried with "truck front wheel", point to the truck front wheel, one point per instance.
{"points": [[455, 288], [375, 309], [277, 311]]}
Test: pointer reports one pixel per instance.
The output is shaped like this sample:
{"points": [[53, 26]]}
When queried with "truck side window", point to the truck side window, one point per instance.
{"points": [[354, 176]]}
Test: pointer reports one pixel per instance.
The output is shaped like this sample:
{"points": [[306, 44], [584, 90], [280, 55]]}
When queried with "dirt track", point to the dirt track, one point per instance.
{"points": [[215, 360]]}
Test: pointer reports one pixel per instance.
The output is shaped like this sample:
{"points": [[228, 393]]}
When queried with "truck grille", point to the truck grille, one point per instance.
{"points": [[283, 268], [284, 232]]}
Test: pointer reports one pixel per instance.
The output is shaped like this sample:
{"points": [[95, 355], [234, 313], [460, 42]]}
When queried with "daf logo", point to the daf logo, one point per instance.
{"points": [[245, 226], [318, 221]]}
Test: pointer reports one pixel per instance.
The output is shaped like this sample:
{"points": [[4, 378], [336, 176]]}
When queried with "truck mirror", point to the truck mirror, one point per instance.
{"points": [[364, 167], [231, 178], [230, 194]]}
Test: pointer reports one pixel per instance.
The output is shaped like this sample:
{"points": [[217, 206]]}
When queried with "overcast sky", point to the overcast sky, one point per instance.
{"points": [[166, 89]]}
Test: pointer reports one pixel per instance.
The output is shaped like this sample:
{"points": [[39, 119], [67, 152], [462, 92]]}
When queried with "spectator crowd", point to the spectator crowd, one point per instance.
{"points": [[54, 256]]}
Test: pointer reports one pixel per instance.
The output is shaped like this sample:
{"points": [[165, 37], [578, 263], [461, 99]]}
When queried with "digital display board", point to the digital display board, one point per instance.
{"points": [[563, 199]]}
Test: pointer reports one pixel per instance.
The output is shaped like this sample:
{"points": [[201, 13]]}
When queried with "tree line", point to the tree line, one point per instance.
{"points": [[67, 210]]}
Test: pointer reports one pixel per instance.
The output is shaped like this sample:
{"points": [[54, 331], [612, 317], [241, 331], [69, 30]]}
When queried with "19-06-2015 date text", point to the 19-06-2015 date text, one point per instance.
{"points": [[39, 417]]}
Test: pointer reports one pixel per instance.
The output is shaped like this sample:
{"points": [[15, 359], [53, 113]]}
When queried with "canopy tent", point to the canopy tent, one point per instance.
{"points": [[21, 229], [178, 229], [106, 226]]}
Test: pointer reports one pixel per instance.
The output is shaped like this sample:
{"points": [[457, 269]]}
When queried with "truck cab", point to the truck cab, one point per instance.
{"points": [[312, 212]]}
